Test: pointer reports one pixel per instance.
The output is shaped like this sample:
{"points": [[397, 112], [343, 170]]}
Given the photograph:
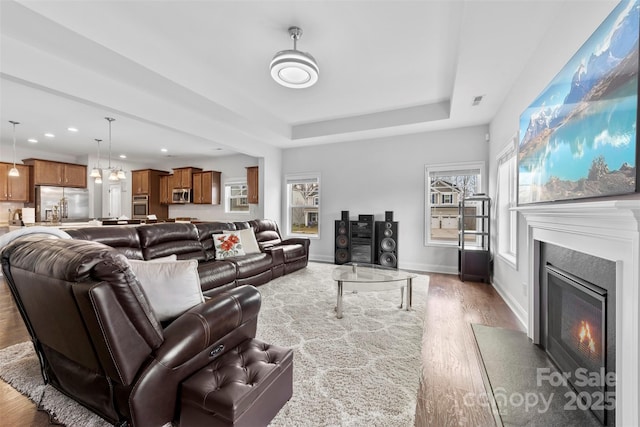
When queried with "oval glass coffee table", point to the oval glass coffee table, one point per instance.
{"points": [[371, 277]]}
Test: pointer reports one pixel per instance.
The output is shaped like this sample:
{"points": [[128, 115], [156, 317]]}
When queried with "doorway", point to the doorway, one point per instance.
{"points": [[115, 201]]}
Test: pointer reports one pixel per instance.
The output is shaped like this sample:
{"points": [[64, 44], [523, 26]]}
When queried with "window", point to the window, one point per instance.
{"points": [[506, 199], [303, 204], [236, 197], [445, 186]]}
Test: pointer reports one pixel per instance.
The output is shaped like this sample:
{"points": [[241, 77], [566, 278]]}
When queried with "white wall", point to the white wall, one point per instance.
{"points": [[571, 27], [387, 174]]}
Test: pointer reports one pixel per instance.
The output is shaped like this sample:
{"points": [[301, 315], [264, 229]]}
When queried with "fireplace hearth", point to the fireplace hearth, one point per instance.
{"points": [[575, 338]]}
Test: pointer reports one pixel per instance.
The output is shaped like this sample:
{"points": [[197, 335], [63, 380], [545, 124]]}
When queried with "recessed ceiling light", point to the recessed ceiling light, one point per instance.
{"points": [[164, 150], [123, 156], [72, 129], [32, 140], [49, 135]]}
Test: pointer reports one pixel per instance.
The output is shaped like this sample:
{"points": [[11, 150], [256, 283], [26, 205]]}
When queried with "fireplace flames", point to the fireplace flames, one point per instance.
{"points": [[585, 337]]}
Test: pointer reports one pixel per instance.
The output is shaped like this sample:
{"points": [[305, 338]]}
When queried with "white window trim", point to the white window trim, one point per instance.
{"points": [[234, 181], [287, 223], [441, 167], [510, 149]]}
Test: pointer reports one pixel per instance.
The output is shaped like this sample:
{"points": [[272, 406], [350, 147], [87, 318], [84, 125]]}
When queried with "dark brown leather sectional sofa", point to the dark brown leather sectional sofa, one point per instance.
{"points": [[195, 241], [99, 341]]}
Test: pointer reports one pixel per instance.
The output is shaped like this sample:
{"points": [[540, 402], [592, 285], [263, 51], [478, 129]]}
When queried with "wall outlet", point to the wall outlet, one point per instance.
{"points": [[525, 288]]}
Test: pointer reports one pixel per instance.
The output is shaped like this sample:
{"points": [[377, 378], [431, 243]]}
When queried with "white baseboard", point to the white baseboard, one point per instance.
{"points": [[321, 258], [516, 308]]}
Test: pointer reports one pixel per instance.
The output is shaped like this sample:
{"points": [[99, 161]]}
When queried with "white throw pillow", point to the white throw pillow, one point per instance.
{"points": [[248, 239], [228, 245], [172, 287], [172, 257]]}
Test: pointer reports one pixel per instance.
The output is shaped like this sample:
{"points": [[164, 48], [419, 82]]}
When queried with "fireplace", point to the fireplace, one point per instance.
{"points": [[575, 338], [607, 231]]}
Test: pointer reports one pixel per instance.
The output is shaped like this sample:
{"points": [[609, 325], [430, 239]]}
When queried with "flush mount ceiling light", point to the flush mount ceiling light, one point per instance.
{"points": [[293, 68]]}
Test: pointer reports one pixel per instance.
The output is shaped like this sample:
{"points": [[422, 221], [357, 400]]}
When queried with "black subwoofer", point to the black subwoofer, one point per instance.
{"points": [[387, 243]]}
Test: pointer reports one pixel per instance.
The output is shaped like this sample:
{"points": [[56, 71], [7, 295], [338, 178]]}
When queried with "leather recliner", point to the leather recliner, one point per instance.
{"points": [[98, 340]]}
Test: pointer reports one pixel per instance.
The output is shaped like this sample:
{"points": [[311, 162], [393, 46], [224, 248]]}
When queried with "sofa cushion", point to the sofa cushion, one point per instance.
{"points": [[123, 239], [293, 252], [251, 265], [159, 240], [172, 287], [266, 231], [216, 273]]}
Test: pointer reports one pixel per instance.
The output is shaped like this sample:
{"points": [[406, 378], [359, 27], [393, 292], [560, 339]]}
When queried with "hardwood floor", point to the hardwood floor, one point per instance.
{"points": [[451, 391], [16, 409], [450, 363]]}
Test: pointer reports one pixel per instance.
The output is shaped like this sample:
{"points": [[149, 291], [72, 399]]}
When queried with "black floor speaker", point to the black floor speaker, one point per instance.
{"points": [[387, 243], [342, 253]]}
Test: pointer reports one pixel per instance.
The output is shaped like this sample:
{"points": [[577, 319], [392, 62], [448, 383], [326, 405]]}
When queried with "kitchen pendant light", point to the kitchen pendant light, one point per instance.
{"points": [[114, 175], [14, 171], [96, 172], [293, 68]]}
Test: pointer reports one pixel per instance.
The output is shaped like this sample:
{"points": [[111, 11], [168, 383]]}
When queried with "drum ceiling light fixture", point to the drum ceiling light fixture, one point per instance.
{"points": [[293, 68]]}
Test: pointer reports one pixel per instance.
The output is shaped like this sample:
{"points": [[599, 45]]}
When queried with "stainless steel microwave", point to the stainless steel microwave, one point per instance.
{"points": [[182, 195]]}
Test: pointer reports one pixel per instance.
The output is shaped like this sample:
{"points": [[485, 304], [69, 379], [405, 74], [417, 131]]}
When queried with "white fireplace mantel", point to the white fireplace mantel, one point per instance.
{"points": [[608, 229]]}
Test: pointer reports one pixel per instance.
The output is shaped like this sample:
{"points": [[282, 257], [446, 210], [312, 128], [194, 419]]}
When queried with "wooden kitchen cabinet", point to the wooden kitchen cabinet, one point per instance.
{"points": [[183, 177], [140, 181], [148, 182], [166, 185], [14, 188], [252, 184], [206, 187], [47, 172], [75, 175]]}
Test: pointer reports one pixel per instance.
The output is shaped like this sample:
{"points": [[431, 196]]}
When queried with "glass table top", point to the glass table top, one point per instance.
{"points": [[363, 273]]}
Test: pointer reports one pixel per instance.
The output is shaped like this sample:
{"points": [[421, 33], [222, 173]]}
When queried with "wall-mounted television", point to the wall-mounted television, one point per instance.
{"points": [[578, 138]]}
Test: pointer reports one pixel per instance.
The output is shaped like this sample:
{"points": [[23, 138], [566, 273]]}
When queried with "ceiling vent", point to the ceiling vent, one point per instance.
{"points": [[477, 100]]}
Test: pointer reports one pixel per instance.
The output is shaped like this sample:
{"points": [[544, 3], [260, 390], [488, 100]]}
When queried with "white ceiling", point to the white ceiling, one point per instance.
{"points": [[192, 76]]}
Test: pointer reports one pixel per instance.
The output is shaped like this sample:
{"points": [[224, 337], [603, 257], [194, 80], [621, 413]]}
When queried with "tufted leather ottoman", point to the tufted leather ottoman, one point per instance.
{"points": [[246, 386]]}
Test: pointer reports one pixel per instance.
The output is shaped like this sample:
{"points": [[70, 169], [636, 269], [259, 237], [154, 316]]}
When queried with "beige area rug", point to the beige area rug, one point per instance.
{"points": [[363, 369]]}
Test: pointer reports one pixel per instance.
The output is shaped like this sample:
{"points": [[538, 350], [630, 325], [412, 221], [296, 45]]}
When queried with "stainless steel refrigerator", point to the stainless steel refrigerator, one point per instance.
{"points": [[72, 204]]}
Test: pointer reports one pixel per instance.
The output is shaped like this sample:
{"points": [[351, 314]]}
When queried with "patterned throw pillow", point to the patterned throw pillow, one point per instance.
{"points": [[228, 245]]}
